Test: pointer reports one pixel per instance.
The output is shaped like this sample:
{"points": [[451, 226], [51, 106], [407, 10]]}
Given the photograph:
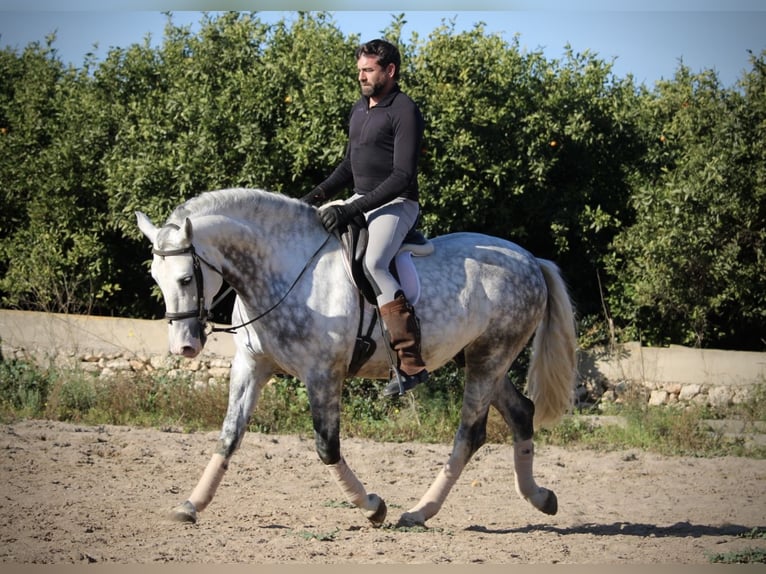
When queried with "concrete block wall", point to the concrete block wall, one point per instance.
{"points": [[108, 346]]}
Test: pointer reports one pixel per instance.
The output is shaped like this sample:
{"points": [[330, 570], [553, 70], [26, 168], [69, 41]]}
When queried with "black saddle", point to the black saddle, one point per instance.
{"points": [[354, 241]]}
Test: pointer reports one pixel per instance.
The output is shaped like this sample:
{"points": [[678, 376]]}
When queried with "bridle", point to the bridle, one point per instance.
{"points": [[201, 313]]}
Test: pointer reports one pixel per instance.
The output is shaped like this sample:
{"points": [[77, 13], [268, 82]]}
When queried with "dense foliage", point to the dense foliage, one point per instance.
{"points": [[651, 200]]}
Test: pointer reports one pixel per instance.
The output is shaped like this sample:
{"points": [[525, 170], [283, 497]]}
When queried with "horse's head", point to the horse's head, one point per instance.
{"points": [[188, 282]]}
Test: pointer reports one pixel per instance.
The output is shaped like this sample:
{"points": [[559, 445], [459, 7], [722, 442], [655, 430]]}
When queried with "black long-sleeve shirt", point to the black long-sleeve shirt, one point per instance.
{"points": [[384, 145]]}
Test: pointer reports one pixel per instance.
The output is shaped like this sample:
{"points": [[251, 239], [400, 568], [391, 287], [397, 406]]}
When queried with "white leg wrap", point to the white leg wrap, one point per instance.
{"points": [[205, 490], [526, 487], [351, 487], [435, 496]]}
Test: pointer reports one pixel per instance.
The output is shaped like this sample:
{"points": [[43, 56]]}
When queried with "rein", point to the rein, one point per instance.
{"points": [[233, 330], [201, 313]]}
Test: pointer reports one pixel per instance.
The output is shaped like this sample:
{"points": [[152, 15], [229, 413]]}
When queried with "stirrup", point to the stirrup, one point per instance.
{"points": [[401, 382]]}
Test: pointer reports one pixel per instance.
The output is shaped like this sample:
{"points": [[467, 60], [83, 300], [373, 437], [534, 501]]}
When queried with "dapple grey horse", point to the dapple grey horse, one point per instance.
{"points": [[296, 313]]}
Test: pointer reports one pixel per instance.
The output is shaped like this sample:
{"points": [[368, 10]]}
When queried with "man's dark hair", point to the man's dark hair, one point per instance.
{"points": [[385, 52]]}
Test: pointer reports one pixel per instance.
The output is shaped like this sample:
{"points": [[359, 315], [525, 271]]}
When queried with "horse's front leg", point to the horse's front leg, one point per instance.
{"points": [[325, 408], [246, 380]]}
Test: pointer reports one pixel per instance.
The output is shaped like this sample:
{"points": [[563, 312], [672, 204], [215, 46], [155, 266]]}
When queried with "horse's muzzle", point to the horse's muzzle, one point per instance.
{"points": [[187, 338]]}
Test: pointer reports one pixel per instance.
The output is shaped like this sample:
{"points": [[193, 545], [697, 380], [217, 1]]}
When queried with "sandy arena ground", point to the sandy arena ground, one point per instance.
{"points": [[74, 494]]}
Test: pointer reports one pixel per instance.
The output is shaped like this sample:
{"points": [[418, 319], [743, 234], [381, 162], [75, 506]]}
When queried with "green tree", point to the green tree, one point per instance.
{"points": [[691, 269], [56, 133], [27, 89], [239, 103], [535, 151]]}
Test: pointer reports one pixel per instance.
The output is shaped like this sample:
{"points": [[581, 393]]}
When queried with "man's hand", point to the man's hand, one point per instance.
{"points": [[336, 215], [314, 197]]}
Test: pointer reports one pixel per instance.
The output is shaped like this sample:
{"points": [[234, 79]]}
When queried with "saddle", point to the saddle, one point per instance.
{"points": [[354, 243]]}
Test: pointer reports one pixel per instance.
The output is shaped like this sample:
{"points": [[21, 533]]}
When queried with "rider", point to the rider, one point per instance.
{"points": [[384, 144]]}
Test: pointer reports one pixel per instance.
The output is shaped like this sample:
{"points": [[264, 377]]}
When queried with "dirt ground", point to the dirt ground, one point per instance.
{"points": [[78, 494]]}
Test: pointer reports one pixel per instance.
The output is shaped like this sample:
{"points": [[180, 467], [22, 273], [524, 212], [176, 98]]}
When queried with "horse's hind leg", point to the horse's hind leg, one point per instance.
{"points": [[471, 435], [518, 412]]}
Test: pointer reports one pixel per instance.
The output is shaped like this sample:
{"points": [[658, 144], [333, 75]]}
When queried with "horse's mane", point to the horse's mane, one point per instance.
{"points": [[243, 202]]}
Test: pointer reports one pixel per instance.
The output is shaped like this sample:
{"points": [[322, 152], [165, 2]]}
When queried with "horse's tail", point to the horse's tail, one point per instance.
{"points": [[553, 364]]}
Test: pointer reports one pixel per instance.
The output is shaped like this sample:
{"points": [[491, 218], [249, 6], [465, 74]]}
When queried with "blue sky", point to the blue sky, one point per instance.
{"points": [[647, 42]]}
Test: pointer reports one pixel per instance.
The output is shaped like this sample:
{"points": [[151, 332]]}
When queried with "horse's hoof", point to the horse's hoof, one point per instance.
{"points": [[409, 519], [184, 513], [377, 516], [551, 504]]}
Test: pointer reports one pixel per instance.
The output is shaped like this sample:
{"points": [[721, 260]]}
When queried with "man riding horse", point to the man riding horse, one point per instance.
{"points": [[385, 138]]}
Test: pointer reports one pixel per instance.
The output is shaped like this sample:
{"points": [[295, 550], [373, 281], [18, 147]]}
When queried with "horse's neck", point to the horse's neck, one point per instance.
{"points": [[258, 256]]}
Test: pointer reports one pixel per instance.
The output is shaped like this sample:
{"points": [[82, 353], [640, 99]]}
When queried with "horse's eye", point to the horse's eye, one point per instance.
{"points": [[184, 281]]}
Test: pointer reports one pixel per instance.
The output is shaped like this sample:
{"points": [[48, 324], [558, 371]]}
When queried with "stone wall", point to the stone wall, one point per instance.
{"points": [[107, 347], [670, 375]]}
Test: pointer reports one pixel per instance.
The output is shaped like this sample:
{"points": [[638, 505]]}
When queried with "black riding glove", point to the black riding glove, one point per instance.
{"points": [[337, 215]]}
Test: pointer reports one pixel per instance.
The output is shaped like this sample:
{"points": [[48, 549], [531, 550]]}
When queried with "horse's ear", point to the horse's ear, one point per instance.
{"points": [[188, 230], [146, 226]]}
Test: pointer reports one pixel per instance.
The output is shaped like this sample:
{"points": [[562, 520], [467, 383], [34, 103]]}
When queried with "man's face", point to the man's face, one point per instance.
{"points": [[373, 80]]}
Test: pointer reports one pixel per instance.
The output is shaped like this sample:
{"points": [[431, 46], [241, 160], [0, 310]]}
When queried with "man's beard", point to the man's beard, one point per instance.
{"points": [[371, 90]]}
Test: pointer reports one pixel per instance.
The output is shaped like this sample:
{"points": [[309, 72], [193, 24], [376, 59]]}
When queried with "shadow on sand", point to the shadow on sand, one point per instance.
{"points": [[679, 529]]}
